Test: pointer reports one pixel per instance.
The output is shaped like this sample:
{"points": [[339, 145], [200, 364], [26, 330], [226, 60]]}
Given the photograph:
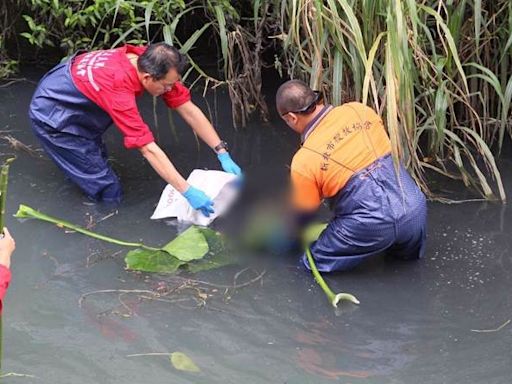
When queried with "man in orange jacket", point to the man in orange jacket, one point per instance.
{"points": [[7, 246], [345, 157]]}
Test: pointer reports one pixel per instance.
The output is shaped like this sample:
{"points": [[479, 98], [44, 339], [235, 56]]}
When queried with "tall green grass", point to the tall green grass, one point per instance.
{"points": [[437, 70]]}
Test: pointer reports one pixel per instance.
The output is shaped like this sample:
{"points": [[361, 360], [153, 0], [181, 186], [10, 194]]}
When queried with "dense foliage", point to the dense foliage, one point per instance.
{"points": [[439, 71]]}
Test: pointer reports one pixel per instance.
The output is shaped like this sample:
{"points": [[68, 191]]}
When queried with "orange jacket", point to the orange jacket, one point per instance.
{"points": [[341, 142]]}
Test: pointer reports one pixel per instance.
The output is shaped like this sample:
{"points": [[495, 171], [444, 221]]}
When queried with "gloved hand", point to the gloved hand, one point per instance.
{"points": [[228, 164], [198, 200]]}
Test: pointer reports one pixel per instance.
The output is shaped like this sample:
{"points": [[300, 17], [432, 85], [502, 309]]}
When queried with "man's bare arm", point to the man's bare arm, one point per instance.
{"points": [[194, 117], [163, 166]]}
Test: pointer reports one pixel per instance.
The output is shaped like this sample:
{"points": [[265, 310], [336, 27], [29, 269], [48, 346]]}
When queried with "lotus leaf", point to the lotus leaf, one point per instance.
{"points": [[152, 261], [189, 245]]}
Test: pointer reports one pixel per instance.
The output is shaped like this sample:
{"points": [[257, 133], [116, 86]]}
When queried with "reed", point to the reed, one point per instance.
{"points": [[437, 70], [4, 179]]}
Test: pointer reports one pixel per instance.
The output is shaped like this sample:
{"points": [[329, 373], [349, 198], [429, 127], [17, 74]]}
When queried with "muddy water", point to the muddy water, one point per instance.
{"points": [[416, 323]]}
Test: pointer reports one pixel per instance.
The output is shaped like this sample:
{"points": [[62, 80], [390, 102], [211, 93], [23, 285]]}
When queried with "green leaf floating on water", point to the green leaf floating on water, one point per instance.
{"points": [[214, 261], [182, 362], [152, 261], [217, 255], [188, 249], [195, 250], [189, 245]]}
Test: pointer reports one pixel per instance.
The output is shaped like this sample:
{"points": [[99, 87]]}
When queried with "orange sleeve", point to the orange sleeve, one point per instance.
{"points": [[305, 193]]}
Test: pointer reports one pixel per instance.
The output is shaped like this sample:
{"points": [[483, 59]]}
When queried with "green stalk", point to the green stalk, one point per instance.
{"points": [[4, 178], [28, 212], [331, 296]]}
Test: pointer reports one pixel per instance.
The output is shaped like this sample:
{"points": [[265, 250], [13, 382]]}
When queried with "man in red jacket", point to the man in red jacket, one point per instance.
{"points": [[79, 99], [7, 246]]}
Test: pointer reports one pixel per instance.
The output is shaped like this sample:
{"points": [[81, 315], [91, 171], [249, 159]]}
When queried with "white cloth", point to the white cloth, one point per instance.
{"points": [[217, 185]]}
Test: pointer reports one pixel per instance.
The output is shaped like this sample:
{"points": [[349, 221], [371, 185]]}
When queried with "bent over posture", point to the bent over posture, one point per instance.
{"points": [[346, 157], [78, 100]]}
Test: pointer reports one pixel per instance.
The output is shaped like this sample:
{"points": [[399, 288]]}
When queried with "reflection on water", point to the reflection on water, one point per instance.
{"points": [[413, 325]]}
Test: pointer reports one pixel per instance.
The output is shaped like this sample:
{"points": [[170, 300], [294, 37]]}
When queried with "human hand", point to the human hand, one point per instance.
{"points": [[228, 164], [198, 200], [7, 246]]}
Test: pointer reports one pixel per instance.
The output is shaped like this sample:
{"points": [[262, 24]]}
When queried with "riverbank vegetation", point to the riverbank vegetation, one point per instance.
{"points": [[439, 71]]}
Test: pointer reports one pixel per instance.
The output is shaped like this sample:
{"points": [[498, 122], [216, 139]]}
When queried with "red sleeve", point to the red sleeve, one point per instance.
{"points": [[5, 278], [178, 95], [137, 49], [126, 116]]}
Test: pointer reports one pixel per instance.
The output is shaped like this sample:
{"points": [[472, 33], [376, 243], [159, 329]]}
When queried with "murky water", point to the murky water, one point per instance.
{"points": [[416, 321]]}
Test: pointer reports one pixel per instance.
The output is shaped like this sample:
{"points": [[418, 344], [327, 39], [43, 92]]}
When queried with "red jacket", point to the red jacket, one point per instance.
{"points": [[5, 278], [109, 79]]}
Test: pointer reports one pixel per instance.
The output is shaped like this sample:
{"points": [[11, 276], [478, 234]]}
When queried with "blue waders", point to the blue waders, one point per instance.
{"points": [[69, 127], [373, 214]]}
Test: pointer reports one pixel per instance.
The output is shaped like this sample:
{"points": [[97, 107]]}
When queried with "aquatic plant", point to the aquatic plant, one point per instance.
{"points": [[179, 360], [310, 234], [4, 179], [25, 211], [182, 362], [187, 249], [334, 298]]}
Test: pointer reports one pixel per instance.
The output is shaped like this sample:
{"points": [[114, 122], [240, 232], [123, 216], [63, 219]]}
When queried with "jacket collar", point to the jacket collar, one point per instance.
{"points": [[314, 123]]}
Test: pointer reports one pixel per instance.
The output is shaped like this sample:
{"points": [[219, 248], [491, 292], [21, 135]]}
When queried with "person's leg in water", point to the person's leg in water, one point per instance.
{"points": [[83, 160], [344, 245], [70, 126], [411, 234], [375, 214], [410, 210]]}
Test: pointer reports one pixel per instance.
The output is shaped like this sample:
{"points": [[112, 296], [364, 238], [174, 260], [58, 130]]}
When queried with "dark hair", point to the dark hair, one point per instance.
{"points": [[159, 58], [294, 95]]}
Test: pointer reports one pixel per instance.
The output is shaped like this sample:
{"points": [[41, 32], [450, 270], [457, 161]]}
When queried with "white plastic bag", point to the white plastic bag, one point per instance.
{"points": [[219, 186]]}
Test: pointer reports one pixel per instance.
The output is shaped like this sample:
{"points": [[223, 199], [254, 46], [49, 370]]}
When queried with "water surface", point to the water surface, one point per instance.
{"points": [[416, 321]]}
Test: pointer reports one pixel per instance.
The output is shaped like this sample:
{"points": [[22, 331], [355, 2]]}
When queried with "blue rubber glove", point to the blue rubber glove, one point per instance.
{"points": [[198, 200], [228, 164]]}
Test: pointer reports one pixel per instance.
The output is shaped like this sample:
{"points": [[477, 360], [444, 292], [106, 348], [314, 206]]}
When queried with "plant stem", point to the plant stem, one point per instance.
{"points": [[333, 298], [318, 277], [4, 178], [151, 354], [28, 212]]}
